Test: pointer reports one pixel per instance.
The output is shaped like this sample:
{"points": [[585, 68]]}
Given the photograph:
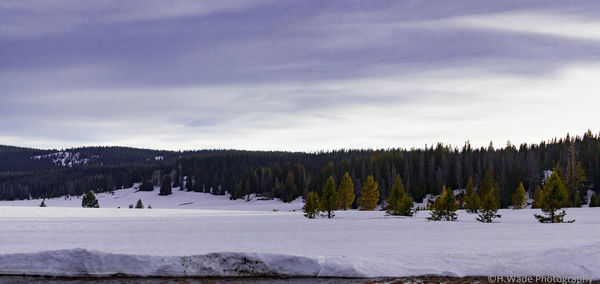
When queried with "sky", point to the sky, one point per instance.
{"points": [[296, 75]]}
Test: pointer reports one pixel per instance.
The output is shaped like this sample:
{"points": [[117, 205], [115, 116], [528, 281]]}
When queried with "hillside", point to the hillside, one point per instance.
{"points": [[29, 173]]}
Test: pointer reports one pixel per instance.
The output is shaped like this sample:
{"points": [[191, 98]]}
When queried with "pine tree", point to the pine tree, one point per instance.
{"points": [[89, 200], [487, 184], [311, 207], [399, 203], [472, 200], [176, 179], [595, 201], [43, 204], [370, 195], [518, 198], [189, 183], [328, 200], [553, 197], [146, 186], [537, 197], [345, 192], [139, 204], [489, 208], [575, 178], [444, 207], [165, 186], [290, 187]]}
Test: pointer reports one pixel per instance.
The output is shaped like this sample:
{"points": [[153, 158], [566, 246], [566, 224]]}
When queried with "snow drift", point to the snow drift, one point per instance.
{"points": [[81, 262]]}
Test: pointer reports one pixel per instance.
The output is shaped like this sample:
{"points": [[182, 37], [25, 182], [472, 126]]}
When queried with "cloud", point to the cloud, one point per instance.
{"points": [[531, 22], [294, 75]]}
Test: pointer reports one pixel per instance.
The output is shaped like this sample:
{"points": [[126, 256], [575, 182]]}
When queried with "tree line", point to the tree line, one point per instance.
{"points": [[289, 175]]}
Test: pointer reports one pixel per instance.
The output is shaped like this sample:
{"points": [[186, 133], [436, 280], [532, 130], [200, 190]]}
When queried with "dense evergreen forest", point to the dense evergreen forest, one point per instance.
{"points": [[31, 173]]}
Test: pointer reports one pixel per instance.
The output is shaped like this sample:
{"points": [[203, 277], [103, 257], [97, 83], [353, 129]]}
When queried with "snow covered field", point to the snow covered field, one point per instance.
{"points": [[178, 200], [249, 238]]}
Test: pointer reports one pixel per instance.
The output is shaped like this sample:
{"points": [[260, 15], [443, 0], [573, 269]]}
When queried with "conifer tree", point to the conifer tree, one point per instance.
{"points": [[89, 200], [345, 195], [175, 175], [165, 186], [370, 195], [553, 197], [595, 201], [189, 183], [146, 186], [489, 208], [487, 183], [537, 197], [311, 207], [519, 198], [290, 187], [575, 178], [471, 199], [444, 207], [328, 200], [399, 203], [139, 204], [574, 182]]}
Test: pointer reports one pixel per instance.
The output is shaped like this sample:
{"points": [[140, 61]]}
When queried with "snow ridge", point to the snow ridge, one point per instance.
{"points": [[81, 262], [66, 158]]}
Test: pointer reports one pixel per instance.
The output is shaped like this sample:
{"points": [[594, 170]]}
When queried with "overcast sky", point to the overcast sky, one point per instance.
{"points": [[296, 75]]}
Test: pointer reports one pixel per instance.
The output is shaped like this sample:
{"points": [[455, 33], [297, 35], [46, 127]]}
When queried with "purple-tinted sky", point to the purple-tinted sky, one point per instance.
{"points": [[296, 75]]}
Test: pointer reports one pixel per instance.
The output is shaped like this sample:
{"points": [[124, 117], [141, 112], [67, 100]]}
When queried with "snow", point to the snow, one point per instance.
{"points": [[79, 262], [178, 200], [65, 158], [237, 242]]}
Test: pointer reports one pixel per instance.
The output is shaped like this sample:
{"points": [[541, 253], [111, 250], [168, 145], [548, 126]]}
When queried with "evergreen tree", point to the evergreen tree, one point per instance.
{"points": [[444, 207], [311, 207], [487, 184], [575, 178], [139, 204], [519, 199], [146, 186], [345, 192], [399, 203], [553, 197], [328, 200], [537, 197], [89, 200], [43, 204], [290, 187], [370, 195], [489, 208], [595, 201], [472, 200], [189, 183], [176, 179], [165, 186]]}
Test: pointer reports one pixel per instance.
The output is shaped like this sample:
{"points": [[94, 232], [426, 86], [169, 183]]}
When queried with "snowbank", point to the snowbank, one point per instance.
{"points": [[81, 262], [173, 242]]}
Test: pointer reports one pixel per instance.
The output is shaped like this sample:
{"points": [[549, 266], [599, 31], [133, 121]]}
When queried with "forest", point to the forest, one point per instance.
{"points": [[289, 175]]}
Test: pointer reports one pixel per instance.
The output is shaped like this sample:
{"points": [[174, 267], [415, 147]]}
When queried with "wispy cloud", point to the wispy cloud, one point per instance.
{"points": [[294, 75]]}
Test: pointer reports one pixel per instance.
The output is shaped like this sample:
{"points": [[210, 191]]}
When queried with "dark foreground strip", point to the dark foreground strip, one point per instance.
{"points": [[241, 280]]}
